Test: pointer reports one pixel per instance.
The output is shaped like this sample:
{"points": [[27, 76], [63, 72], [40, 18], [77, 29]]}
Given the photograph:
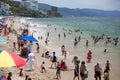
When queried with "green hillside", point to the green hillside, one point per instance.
{"points": [[18, 10]]}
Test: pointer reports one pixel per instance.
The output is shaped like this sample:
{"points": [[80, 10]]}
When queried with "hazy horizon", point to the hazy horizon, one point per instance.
{"points": [[81, 4]]}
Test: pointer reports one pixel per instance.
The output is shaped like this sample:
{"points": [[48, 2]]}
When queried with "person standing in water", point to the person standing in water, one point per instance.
{"points": [[59, 35], [75, 41], [83, 71], [97, 70], [87, 43], [76, 69], [75, 59], [64, 35], [89, 56], [108, 65], [63, 49], [106, 74], [54, 60]]}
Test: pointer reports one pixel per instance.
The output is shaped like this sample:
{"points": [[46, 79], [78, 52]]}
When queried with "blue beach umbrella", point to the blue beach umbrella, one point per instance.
{"points": [[2, 21], [29, 38], [2, 78], [3, 41]]}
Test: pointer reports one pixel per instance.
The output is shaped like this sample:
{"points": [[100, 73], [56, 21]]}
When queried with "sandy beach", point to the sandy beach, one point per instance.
{"points": [[98, 55]]}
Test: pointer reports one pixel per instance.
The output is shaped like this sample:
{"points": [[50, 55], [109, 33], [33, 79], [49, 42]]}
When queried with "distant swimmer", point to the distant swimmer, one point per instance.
{"points": [[64, 35], [47, 34], [46, 41], [87, 43], [105, 50], [75, 41], [55, 29], [64, 29], [41, 37], [59, 35], [69, 32], [79, 38], [108, 65]]}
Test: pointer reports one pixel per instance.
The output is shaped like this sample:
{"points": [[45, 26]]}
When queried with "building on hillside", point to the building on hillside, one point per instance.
{"points": [[44, 13], [30, 4], [4, 8], [53, 11]]}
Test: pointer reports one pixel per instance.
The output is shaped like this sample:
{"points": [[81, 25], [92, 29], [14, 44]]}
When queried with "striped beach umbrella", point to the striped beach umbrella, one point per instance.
{"points": [[2, 77], [10, 59]]}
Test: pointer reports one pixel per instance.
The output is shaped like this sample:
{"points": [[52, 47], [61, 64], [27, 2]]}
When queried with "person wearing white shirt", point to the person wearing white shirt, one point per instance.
{"points": [[31, 58]]}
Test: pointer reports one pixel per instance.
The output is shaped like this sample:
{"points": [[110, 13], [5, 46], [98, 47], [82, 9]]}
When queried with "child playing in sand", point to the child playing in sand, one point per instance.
{"points": [[43, 67], [21, 72], [58, 73]]}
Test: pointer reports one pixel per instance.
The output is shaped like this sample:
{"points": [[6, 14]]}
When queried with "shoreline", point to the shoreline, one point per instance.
{"points": [[50, 75], [101, 58]]}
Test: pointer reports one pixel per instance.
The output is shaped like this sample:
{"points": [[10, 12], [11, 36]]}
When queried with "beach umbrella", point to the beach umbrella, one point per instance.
{"points": [[10, 59], [2, 77], [29, 38], [3, 41], [3, 24], [1, 21]]}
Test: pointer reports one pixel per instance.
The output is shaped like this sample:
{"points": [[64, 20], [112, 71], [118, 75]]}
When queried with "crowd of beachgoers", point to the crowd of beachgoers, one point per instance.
{"points": [[50, 62]]}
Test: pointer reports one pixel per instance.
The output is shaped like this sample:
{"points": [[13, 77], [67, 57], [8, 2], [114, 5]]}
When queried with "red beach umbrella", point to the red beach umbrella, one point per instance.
{"points": [[10, 59]]}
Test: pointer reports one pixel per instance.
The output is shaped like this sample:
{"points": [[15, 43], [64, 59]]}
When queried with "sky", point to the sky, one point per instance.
{"points": [[94, 4]]}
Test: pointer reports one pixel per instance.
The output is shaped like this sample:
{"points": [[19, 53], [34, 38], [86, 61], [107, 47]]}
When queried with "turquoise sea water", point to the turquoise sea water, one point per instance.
{"points": [[88, 26], [92, 25]]}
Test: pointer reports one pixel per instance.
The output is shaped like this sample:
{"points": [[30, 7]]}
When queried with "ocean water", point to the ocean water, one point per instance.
{"points": [[88, 26]]}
